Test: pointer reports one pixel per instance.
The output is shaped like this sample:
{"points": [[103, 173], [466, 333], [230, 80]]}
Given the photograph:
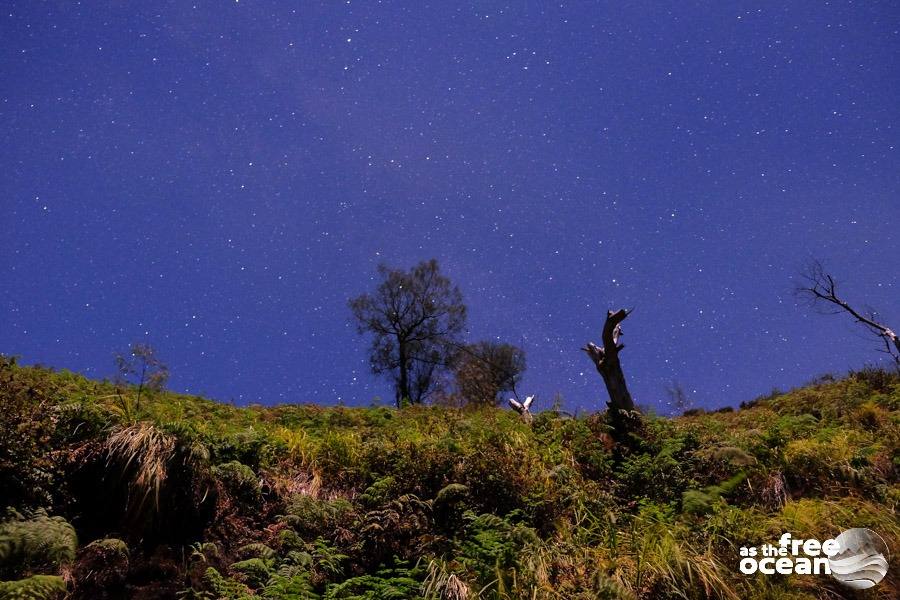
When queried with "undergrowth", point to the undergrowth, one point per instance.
{"points": [[189, 498]]}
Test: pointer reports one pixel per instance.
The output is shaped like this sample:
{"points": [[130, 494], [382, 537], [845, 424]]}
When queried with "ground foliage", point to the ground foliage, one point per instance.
{"points": [[190, 498]]}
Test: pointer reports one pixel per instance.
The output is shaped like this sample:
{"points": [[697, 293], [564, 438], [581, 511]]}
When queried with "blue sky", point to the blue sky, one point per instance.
{"points": [[218, 179]]}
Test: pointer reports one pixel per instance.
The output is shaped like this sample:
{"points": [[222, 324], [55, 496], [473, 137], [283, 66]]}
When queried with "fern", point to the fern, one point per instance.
{"points": [[37, 542], [289, 585], [224, 588], [255, 550], [254, 571], [328, 559], [700, 502], [240, 480], [398, 583]]}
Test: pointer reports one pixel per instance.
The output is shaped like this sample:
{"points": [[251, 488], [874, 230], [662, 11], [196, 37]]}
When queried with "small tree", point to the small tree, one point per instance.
{"points": [[415, 318], [819, 287], [141, 367], [486, 369]]}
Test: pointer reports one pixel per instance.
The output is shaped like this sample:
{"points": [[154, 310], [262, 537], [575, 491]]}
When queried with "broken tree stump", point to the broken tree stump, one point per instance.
{"points": [[606, 358], [522, 407]]}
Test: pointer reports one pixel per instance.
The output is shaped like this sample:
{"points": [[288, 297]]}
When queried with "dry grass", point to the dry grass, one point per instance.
{"points": [[442, 585], [146, 450], [656, 556]]}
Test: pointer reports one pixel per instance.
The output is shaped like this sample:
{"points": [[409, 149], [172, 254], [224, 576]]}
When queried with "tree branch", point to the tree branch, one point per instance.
{"points": [[821, 287]]}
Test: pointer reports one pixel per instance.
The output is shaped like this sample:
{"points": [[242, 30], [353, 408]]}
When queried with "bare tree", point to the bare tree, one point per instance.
{"points": [[141, 367], [820, 288], [606, 359], [415, 318]]}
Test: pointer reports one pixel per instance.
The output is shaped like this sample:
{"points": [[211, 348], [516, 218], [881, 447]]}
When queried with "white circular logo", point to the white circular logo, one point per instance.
{"points": [[861, 560]]}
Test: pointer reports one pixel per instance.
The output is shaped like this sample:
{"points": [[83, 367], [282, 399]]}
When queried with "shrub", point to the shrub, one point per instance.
{"points": [[26, 428], [811, 464], [493, 546], [876, 379], [660, 477], [101, 565], [399, 527], [444, 585], [162, 491], [340, 459], [312, 517], [499, 473], [450, 504], [378, 492], [144, 451], [701, 501], [288, 541], [484, 502], [240, 481]]}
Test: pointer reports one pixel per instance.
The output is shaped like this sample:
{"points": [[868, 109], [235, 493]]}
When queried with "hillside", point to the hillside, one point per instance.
{"points": [[185, 497]]}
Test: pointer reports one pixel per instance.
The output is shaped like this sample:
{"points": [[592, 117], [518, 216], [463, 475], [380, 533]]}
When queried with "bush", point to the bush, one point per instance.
{"points": [[240, 481], [877, 379], [818, 466], [311, 517], [499, 473], [476, 499], [101, 566], [661, 477], [493, 546], [400, 527], [26, 428]]}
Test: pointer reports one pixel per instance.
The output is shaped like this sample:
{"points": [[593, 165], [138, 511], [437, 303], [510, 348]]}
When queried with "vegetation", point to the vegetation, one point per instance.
{"points": [[486, 369], [143, 368], [185, 497]]}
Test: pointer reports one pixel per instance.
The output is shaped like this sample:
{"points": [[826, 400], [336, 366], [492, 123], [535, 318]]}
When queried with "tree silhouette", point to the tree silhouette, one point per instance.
{"points": [[486, 369], [141, 367], [415, 318], [820, 288]]}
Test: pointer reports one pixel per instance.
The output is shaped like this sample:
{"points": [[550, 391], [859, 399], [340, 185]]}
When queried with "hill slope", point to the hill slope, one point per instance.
{"points": [[186, 497]]}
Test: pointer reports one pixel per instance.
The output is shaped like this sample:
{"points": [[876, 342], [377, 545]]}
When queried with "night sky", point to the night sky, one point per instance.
{"points": [[217, 179]]}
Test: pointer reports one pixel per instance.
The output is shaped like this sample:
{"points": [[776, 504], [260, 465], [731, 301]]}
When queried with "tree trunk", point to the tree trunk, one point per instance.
{"points": [[606, 359], [403, 384]]}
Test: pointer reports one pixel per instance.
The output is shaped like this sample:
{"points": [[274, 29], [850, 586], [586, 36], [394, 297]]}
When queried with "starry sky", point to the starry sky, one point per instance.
{"points": [[217, 179]]}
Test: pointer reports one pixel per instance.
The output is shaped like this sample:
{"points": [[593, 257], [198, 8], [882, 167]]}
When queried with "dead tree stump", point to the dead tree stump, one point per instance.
{"points": [[621, 409], [522, 408]]}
